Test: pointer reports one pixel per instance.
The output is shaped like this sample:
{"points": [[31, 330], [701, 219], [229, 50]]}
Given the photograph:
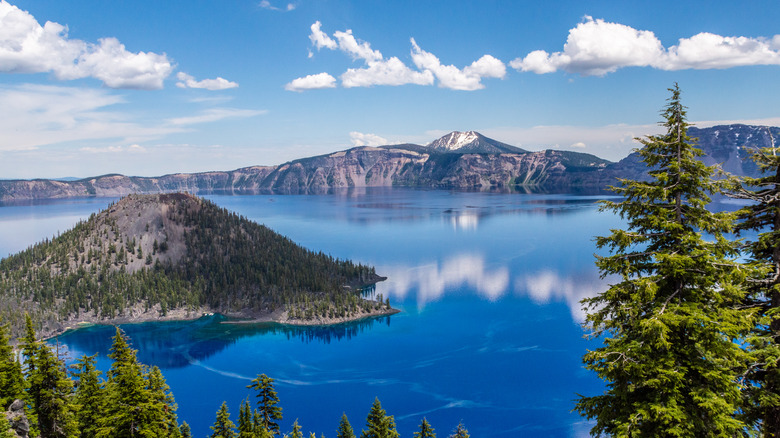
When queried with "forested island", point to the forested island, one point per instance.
{"points": [[177, 256]]}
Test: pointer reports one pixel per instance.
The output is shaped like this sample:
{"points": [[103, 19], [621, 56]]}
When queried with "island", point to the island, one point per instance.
{"points": [[177, 256]]}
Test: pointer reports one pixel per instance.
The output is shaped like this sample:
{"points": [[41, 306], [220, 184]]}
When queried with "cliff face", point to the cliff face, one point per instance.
{"points": [[471, 164]]}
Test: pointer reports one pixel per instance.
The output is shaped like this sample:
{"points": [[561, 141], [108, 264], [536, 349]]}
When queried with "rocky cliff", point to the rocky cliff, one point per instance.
{"points": [[464, 160]]}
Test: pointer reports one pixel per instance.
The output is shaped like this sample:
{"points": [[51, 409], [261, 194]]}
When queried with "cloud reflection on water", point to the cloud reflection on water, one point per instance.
{"points": [[430, 282]]}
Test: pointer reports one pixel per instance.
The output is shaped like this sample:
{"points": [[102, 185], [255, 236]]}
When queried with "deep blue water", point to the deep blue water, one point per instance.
{"points": [[489, 287]]}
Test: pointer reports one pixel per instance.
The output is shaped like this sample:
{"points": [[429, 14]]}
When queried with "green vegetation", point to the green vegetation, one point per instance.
{"points": [[690, 333], [158, 253], [133, 399]]}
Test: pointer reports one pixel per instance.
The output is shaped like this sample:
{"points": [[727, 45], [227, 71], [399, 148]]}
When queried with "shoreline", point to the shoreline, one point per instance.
{"points": [[138, 316]]}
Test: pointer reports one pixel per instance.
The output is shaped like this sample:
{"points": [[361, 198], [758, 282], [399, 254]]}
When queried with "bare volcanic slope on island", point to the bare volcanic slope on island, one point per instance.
{"points": [[172, 256]]}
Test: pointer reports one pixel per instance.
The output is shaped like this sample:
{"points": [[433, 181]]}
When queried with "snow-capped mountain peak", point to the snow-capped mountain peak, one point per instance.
{"points": [[455, 140], [470, 142]]}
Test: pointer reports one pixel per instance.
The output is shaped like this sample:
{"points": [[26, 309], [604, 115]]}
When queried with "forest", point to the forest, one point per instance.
{"points": [[175, 251]]}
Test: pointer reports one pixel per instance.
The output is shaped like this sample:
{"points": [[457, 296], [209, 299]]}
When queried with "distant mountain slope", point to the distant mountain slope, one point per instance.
{"points": [[151, 255], [465, 160]]}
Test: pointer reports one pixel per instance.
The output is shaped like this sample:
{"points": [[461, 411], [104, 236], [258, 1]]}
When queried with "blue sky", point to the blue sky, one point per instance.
{"points": [[89, 87]]}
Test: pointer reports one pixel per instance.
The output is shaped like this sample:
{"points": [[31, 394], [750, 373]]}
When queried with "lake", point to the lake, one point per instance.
{"points": [[489, 333]]}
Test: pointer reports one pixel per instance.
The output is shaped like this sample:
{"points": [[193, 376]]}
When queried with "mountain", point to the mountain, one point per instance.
{"points": [[175, 256], [462, 160], [471, 142]]}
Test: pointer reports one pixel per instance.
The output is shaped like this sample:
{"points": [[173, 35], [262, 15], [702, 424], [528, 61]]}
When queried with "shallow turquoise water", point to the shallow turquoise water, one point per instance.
{"points": [[489, 333]]}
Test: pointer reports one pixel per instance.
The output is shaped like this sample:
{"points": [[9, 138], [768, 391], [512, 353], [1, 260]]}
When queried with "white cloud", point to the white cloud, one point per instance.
{"points": [[28, 47], [361, 139], [449, 76], [311, 82], [578, 145], [392, 71], [362, 50], [133, 148], [213, 115], [187, 81], [265, 4], [707, 50], [32, 116], [597, 47], [320, 39], [386, 72]]}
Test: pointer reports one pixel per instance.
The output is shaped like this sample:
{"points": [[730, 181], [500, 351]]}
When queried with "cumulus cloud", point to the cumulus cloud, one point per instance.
{"points": [[187, 81], [320, 39], [449, 76], [28, 47], [385, 72], [597, 47], [311, 82], [378, 70], [361, 139]]}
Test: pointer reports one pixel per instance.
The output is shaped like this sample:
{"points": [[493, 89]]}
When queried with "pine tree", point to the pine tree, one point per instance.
{"points": [[185, 431], [90, 400], [267, 403], [161, 409], [426, 431], [670, 320], [345, 429], [296, 430], [762, 407], [51, 391], [11, 377], [379, 424], [135, 404], [246, 428], [223, 427], [460, 432]]}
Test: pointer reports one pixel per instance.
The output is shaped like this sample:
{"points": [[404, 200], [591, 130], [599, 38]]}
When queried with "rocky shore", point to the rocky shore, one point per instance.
{"points": [[138, 314]]}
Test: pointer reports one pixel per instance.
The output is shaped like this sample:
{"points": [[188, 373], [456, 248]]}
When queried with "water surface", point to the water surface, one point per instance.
{"points": [[489, 287]]}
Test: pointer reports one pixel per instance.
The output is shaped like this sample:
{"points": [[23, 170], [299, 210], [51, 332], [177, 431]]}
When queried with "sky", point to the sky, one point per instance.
{"points": [[91, 87]]}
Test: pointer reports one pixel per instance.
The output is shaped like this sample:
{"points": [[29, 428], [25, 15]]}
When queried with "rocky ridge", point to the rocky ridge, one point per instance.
{"points": [[462, 160]]}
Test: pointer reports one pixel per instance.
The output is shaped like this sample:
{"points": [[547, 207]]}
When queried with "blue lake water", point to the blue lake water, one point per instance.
{"points": [[488, 284]]}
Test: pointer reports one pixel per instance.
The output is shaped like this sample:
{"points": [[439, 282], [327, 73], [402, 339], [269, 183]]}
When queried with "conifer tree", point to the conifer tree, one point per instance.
{"points": [[762, 404], [161, 409], [426, 431], [51, 392], [246, 428], [296, 430], [460, 431], [89, 400], [267, 403], [5, 428], [379, 424], [223, 427], [670, 320], [345, 429], [135, 404], [185, 430], [11, 377]]}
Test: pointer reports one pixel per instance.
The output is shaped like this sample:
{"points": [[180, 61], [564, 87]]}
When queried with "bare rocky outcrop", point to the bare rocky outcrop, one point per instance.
{"points": [[20, 425]]}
